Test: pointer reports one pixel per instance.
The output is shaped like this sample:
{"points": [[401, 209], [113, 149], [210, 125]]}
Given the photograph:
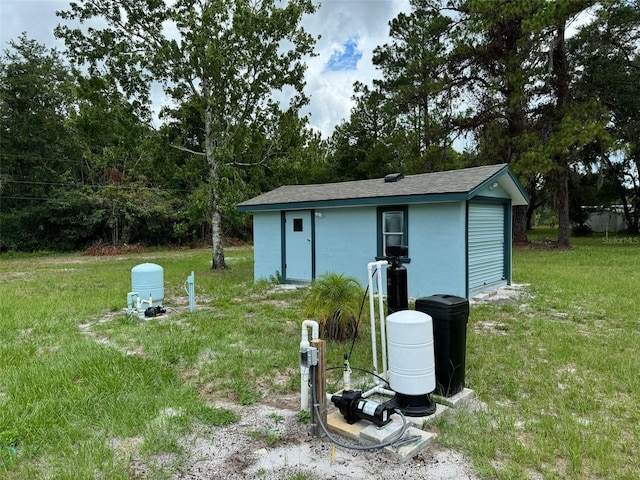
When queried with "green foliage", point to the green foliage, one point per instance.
{"points": [[90, 172], [303, 416], [606, 54], [335, 301], [269, 436], [80, 161], [553, 366], [222, 59]]}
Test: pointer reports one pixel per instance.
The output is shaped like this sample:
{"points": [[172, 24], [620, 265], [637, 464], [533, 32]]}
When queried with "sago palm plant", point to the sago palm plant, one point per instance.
{"points": [[335, 301]]}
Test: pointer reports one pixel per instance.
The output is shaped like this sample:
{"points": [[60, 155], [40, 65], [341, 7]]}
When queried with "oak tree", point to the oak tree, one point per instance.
{"points": [[229, 58]]}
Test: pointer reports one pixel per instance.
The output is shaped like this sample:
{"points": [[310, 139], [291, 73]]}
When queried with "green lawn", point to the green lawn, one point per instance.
{"points": [[559, 370]]}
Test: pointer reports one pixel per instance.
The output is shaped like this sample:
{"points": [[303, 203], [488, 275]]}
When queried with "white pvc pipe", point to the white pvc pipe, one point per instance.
{"points": [[383, 328], [380, 390], [304, 371], [131, 298], [346, 375], [372, 316], [190, 289], [374, 350]]}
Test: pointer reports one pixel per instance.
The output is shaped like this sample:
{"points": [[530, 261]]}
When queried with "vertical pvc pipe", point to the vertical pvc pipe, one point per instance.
{"points": [[383, 335], [304, 371], [131, 297], [378, 265], [372, 315], [191, 280], [190, 288]]}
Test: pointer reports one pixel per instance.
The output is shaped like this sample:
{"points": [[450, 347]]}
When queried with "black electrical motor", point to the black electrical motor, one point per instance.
{"points": [[397, 290], [154, 311], [353, 408]]}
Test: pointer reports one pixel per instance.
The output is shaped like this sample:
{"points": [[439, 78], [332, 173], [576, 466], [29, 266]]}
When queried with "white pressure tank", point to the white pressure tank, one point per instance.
{"points": [[147, 279], [410, 348]]}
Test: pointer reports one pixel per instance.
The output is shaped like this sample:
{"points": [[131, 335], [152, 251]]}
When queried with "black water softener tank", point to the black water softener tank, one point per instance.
{"points": [[450, 316], [397, 291]]}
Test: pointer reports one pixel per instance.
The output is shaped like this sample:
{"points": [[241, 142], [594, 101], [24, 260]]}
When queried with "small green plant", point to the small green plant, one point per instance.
{"points": [[335, 301], [300, 475], [8, 438], [270, 436], [303, 416], [276, 417], [276, 278]]}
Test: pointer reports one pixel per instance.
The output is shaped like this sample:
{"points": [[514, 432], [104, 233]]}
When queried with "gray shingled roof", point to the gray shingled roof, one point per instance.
{"points": [[448, 182]]}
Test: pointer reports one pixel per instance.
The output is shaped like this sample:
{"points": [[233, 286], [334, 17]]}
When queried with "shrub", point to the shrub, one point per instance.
{"points": [[335, 301], [581, 230]]}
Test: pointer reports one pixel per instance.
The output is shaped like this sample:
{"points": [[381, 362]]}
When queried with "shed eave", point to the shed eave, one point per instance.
{"points": [[509, 182], [357, 202]]}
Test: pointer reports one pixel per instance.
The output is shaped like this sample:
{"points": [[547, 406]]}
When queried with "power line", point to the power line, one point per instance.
{"points": [[79, 186]]}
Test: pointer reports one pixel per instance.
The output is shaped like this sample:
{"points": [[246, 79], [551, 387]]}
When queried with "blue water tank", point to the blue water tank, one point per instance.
{"points": [[148, 279]]}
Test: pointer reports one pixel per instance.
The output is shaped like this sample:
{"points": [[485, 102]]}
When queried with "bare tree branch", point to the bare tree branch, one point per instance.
{"points": [[188, 150]]}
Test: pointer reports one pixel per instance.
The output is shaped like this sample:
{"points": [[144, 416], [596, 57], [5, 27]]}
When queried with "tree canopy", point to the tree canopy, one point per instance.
{"points": [[227, 58], [461, 83]]}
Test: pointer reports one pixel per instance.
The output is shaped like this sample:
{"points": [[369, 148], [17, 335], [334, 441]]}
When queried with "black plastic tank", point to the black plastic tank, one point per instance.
{"points": [[397, 292], [450, 316]]}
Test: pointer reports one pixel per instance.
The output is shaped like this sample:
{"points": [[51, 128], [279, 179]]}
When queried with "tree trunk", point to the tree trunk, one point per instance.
{"points": [[562, 191], [520, 224], [618, 183], [561, 79], [216, 236], [216, 220]]}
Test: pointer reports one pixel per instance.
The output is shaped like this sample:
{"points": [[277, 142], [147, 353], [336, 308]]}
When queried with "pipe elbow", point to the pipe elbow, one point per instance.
{"points": [[377, 263], [315, 332]]}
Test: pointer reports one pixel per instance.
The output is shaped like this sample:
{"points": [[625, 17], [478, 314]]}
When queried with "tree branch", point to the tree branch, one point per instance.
{"points": [[188, 150]]}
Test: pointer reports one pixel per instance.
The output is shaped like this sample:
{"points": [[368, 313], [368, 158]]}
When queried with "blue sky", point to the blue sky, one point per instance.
{"points": [[345, 58], [349, 31]]}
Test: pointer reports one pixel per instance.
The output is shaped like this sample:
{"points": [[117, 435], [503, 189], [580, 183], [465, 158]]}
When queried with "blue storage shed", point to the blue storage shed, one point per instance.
{"points": [[456, 224]]}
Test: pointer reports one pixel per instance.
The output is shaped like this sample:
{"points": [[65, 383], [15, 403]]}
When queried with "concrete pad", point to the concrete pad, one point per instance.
{"points": [[419, 422], [461, 398], [418, 440], [374, 435], [366, 433]]}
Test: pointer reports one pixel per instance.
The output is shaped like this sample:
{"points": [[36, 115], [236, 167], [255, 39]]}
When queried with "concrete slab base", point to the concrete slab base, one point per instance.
{"points": [[413, 441], [411, 444], [462, 397], [421, 422], [371, 435]]}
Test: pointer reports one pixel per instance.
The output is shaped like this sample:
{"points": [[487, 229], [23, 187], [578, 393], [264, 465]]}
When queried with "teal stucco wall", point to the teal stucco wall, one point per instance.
{"points": [[437, 249], [346, 241], [267, 245]]}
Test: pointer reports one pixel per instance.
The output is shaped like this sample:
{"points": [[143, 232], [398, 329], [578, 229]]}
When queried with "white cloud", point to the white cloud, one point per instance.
{"points": [[336, 21]]}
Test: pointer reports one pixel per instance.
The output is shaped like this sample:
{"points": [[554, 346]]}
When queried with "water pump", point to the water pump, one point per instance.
{"points": [[353, 408]]}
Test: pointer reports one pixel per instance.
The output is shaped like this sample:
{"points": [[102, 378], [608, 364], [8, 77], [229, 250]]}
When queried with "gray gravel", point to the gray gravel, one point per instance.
{"points": [[239, 451]]}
